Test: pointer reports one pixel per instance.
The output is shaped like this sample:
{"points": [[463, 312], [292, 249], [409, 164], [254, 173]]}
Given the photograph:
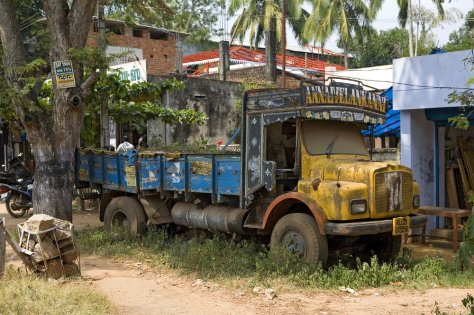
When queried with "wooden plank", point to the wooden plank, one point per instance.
{"points": [[3, 246], [451, 188], [466, 186], [445, 212], [468, 160]]}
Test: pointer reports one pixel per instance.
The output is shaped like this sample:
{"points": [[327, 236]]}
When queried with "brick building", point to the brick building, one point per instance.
{"points": [[160, 48]]}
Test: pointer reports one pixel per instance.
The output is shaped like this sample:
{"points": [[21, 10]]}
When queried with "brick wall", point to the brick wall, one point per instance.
{"points": [[160, 53]]}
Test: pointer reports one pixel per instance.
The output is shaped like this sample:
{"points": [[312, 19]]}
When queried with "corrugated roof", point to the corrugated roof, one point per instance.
{"points": [[243, 54]]}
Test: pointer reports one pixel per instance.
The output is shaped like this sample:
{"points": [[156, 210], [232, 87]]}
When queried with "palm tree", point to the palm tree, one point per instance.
{"points": [[347, 17], [406, 15], [257, 15]]}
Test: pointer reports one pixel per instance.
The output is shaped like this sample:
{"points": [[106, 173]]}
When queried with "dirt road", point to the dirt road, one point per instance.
{"points": [[136, 289]]}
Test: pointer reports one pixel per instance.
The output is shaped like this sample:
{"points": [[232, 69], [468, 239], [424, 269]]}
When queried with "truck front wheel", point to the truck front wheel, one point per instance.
{"points": [[125, 213], [299, 233]]}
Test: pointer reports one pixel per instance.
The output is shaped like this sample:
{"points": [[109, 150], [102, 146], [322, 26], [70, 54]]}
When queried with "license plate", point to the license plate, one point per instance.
{"points": [[401, 225]]}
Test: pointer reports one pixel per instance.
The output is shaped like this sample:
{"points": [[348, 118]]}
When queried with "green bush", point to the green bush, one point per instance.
{"points": [[219, 256]]}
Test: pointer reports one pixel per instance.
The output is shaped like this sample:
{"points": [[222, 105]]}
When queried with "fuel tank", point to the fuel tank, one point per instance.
{"points": [[216, 218]]}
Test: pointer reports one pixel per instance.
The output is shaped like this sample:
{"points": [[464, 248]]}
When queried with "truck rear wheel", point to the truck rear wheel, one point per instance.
{"points": [[300, 234], [126, 213]]}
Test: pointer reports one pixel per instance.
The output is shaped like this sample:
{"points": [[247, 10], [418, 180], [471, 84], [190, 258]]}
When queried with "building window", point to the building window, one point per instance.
{"points": [[159, 35], [137, 33], [115, 28]]}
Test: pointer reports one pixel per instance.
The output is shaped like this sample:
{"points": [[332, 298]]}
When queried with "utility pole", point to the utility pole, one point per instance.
{"points": [[104, 107], [283, 43]]}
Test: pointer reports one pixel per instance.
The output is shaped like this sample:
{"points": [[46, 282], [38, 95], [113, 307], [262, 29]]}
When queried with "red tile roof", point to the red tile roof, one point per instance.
{"points": [[239, 53]]}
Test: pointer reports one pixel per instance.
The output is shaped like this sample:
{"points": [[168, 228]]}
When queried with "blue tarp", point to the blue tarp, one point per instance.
{"points": [[391, 127]]}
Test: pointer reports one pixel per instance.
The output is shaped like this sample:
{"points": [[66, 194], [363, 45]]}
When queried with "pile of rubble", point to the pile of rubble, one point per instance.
{"points": [[49, 243]]}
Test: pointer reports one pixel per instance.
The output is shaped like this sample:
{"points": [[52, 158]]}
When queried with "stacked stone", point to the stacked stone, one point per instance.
{"points": [[51, 246]]}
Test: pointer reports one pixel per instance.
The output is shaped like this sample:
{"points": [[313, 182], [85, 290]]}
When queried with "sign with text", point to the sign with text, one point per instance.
{"points": [[64, 74], [330, 95], [135, 71]]}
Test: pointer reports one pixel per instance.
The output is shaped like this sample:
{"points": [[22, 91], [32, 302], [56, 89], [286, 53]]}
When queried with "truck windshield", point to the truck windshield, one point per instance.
{"points": [[332, 137]]}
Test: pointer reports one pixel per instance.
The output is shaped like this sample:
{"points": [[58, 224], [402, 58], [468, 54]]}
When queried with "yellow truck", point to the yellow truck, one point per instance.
{"points": [[303, 177]]}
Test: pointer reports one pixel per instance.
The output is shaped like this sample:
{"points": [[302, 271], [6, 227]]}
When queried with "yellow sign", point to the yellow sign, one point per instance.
{"points": [[64, 74], [130, 176], [331, 95], [401, 225]]}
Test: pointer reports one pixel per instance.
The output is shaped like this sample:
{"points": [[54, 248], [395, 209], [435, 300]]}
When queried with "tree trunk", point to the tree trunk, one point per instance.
{"points": [[53, 133], [270, 53], [410, 28]]}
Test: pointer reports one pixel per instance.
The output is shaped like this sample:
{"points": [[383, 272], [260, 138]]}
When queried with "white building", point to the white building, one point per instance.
{"points": [[421, 86]]}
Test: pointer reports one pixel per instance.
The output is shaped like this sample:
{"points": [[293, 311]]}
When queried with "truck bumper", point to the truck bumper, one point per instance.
{"points": [[369, 227]]}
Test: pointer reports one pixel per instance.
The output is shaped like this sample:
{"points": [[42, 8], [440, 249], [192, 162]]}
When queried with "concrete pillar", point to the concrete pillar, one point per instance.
{"points": [[417, 143], [270, 53], [223, 60]]}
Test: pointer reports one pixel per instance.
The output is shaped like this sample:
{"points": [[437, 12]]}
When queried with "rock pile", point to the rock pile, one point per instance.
{"points": [[50, 244]]}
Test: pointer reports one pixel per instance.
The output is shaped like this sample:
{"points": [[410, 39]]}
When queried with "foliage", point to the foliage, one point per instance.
{"points": [[223, 258], [345, 17], [256, 18], [465, 99], [197, 18], [22, 294], [134, 104], [377, 48], [463, 38], [403, 12]]}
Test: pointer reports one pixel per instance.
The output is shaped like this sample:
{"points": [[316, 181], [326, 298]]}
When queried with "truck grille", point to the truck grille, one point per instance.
{"points": [[393, 191]]}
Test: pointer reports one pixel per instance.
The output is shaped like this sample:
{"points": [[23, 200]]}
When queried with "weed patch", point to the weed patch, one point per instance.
{"points": [[22, 294], [220, 257]]}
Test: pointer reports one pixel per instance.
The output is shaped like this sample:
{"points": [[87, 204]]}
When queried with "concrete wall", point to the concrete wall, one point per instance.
{"points": [[417, 81], [219, 100], [256, 75]]}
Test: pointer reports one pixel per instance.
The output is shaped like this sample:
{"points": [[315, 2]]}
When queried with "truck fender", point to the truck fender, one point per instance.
{"points": [[282, 204]]}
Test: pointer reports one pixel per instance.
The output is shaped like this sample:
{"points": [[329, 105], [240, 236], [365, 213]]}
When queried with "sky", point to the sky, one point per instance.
{"points": [[387, 18]]}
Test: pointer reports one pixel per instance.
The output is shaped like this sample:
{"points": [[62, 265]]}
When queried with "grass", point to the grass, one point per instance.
{"points": [[28, 294], [250, 263]]}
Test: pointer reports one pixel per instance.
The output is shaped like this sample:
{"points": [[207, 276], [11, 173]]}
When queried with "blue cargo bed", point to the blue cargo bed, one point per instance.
{"points": [[217, 174]]}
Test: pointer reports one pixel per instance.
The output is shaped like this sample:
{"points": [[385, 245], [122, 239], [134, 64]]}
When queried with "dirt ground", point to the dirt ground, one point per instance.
{"points": [[136, 289]]}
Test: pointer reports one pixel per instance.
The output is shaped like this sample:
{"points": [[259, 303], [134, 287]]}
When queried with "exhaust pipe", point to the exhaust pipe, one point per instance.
{"points": [[216, 218]]}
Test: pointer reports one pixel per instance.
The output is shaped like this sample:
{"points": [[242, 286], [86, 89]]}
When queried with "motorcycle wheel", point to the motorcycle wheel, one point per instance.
{"points": [[11, 200]]}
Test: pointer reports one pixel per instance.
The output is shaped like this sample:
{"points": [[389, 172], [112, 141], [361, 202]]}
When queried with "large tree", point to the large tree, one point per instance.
{"points": [[53, 131], [377, 47], [346, 17], [53, 116], [463, 38], [406, 15], [260, 16]]}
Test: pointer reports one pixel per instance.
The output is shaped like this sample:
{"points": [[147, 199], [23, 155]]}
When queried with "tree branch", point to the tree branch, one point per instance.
{"points": [[14, 55], [85, 87], [80, 20]]}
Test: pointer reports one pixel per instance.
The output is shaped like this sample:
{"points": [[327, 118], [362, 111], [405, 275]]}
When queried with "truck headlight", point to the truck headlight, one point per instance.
{"points": [[416, 201], [358, 206]]}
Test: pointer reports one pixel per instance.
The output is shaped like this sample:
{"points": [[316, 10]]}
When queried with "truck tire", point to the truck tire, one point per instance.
{"points": [[300, 234], [127, 213], [386, 246]]}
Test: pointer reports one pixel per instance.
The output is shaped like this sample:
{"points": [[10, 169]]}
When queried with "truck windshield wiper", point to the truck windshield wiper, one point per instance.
{"points": [[330, 146]]}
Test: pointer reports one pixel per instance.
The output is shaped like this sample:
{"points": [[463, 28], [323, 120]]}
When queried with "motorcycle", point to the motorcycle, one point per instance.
{"points": [[16, 170], [19, 197], [16, 187]]}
